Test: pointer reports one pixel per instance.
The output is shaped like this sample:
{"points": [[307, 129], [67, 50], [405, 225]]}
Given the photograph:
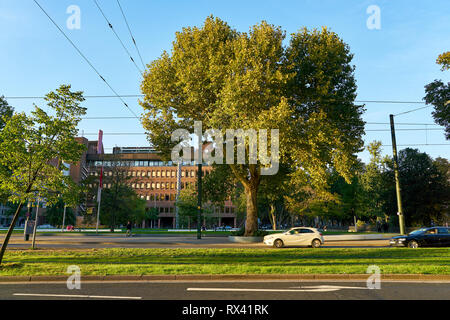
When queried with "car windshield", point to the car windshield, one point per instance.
{"points": [[418, 231]]}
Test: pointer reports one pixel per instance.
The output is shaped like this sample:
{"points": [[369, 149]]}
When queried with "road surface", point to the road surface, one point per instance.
{"points": [[228, 290], [120, 241]]}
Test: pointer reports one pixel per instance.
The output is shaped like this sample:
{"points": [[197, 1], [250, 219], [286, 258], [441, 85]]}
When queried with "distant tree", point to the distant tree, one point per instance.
{"points": [[373, 182], [33, 148], [425, 189], [152, 214], [437, 93], [55, 212], [120, 204], [187, 207]]}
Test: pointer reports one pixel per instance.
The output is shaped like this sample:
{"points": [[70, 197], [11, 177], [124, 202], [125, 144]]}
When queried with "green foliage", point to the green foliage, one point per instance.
{"points": [[187, 207], [54, 214], [240, 80], [425, 189], [437, 93], [120, 204], [32, 148], [6, 112], [444, 60]]}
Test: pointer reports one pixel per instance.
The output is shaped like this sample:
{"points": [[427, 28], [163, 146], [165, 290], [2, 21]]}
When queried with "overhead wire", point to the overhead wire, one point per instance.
{"points": [[117, 36], [85, 58]]}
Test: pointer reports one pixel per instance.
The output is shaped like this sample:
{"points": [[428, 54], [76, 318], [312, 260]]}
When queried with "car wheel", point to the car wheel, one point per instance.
{"points": [[316, 243], [278, 243], [413, 244]]}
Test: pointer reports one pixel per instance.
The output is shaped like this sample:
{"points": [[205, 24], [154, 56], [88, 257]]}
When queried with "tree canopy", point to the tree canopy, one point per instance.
{"points": [[34, 148], [250, 80], [437, 93]]}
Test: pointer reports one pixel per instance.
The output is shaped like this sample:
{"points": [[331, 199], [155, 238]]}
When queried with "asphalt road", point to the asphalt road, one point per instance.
{"points": [[120, 241], [226, 290]]}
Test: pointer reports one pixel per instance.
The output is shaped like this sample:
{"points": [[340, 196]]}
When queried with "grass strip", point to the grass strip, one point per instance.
{"points": [[226, 261]]}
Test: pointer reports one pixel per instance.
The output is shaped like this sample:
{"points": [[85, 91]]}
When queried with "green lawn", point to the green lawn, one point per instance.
{"points": [[227, 261]]}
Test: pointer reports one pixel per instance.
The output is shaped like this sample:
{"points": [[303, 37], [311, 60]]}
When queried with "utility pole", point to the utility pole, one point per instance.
{"points": [[64, 218], [35, 223], [199, 204], [26, 235], [177, 217], [401, 219]]}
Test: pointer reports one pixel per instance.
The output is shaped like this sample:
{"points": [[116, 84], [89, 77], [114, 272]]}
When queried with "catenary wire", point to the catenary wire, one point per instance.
{"points": [[85, 58]]}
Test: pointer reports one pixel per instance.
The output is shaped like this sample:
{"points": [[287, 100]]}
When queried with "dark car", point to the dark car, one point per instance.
{"points": [[424, 237]]}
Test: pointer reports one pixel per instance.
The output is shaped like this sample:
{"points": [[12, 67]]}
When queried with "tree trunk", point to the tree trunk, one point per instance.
{"points": [[273, 217], [10, 230], [251, 224]]}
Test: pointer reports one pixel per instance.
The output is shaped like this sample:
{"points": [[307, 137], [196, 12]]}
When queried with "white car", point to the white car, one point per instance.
{"points": [[299, 236]]}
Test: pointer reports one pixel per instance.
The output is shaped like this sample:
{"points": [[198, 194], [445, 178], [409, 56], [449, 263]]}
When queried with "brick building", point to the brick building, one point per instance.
{"points": [[153, 180]]}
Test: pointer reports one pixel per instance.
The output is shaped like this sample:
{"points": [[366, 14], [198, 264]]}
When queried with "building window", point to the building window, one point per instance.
{"points": [[153, 185], [148, 185], [148, 197], [133, 185], [172, 197], [138, 173], [182, 173], [157, 173], [173, 173], [142, 185], [157, 186]]}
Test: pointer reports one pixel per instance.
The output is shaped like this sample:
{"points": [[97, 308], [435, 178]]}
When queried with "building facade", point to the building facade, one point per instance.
{"points": [[153, 179]]}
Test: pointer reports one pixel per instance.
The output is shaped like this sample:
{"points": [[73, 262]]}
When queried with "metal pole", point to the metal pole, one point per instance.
{"points": [[98, 210], [35, 224], [199, 204], [64, 218], [26, 236], [401, 220], [177, 217]]}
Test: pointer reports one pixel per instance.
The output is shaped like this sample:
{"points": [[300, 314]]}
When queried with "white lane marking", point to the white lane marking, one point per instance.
{"points": [[322, 288], [330, 287], [74, 296], [261, 290]]}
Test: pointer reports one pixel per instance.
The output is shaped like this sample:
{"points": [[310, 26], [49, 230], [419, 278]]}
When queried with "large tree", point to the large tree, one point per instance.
{"points": [[437, 93], [250, 80], [34, 147]]}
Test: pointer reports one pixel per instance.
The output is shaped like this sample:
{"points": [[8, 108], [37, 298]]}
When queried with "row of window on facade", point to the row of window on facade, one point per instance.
{"points": [[229, 210], [152, 185], [137, 163], [155, 173]]}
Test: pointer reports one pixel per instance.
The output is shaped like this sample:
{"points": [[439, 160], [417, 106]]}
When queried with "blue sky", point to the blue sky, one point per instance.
{"points": [[393, 63]]}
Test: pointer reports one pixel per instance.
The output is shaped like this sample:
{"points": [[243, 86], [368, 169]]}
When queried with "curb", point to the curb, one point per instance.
{"points": [[228, 277]]}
